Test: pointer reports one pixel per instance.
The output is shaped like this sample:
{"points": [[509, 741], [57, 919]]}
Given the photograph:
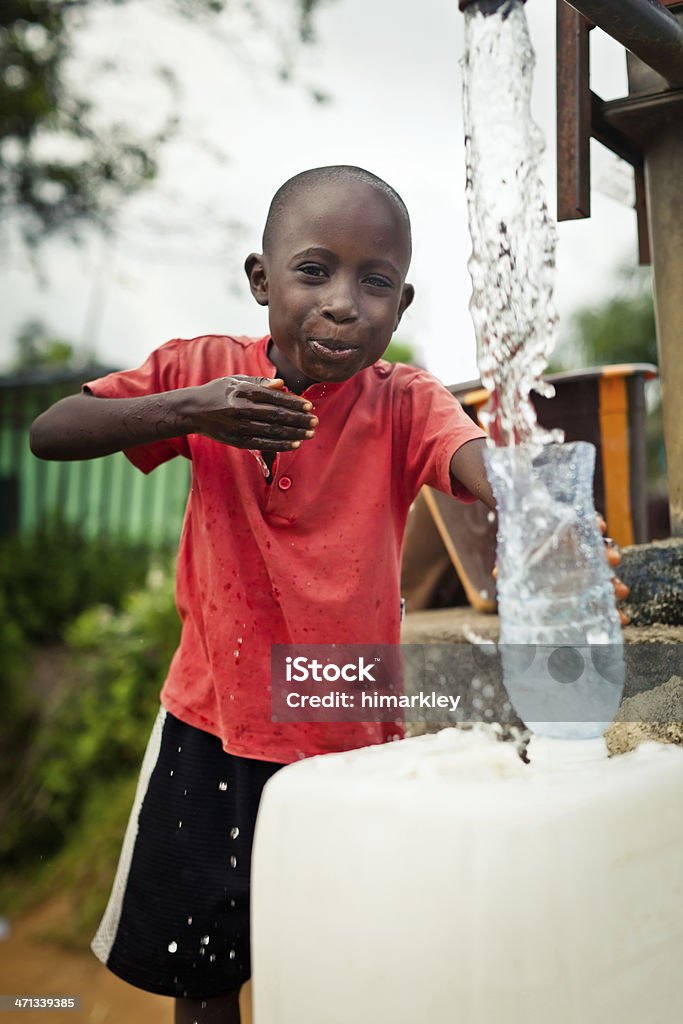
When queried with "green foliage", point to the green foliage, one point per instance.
{"points": [[37, 348], [98, 728], [14, 649], [619, 330], [83, 869], [48, 577], [401, 352], [61, 165], [17, 717], [67, 814]]}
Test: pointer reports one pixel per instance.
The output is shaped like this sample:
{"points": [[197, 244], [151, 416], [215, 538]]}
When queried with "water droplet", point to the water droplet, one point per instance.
{"points": [[180, 824], [205, 939], [189, 920], [233, 861], [223, 786], [171, 772], [179, 749], [184, 792], [212, 957], [232, 954], [491, 516], [597, 636], [234, 832], [172, 947], [232, 903]]}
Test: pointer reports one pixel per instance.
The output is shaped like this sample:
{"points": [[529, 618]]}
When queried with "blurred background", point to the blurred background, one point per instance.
{"points": [[172, 123], [140, 144]]}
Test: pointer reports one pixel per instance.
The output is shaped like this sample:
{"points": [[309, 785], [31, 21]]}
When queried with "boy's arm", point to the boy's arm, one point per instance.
{"points": [[246, 412], [468, 468]]}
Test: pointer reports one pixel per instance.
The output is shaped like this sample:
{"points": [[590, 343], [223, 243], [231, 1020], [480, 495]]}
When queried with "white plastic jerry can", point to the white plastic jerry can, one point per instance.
{"points": [[442, 880]]}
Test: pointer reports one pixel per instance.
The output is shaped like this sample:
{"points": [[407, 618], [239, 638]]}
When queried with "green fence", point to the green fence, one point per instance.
{"points": [[105, 496]]}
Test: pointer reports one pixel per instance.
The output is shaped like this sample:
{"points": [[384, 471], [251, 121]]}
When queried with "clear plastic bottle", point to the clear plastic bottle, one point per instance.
{"points": [[560, 636]]}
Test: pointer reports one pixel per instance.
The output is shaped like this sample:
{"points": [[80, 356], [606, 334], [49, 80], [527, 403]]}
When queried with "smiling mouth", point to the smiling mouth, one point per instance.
{"points": [[331, 348]]}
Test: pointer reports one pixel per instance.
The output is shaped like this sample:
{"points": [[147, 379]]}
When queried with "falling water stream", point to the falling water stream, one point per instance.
{"points": [[554, 589], [513, 237]]}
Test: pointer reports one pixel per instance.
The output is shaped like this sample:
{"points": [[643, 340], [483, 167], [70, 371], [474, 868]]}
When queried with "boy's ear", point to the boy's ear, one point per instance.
{"points": [[258, 280], [406, 298]]}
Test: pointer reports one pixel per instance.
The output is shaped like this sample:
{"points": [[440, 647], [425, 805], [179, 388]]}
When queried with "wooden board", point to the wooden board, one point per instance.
{"points": [[470, 539]]}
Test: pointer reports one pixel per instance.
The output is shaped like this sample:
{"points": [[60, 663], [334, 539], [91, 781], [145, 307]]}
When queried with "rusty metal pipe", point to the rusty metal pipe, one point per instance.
{"points": [[644, 27]]}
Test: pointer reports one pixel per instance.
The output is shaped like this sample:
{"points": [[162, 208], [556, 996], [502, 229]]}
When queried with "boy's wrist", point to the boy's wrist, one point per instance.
{"points": [[181, 405]]}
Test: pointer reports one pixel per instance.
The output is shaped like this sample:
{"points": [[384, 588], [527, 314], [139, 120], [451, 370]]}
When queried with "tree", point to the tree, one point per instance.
{"points": [[621, 330], [37, 348], [59, 168]]}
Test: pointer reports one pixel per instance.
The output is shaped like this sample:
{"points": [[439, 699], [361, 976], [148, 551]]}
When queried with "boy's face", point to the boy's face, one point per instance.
{"points": [[334, 281]]}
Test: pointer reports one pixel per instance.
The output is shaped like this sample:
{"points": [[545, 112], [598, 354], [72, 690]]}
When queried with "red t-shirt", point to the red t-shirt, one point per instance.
{"points": [[313, 557]]}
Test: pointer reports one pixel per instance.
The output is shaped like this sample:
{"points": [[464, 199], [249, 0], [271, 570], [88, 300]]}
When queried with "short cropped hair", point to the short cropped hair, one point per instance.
{"points": [[308, 180]]}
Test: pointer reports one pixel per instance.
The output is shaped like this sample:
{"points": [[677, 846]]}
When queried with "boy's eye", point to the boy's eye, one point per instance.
{"points": [[376, 281], [312, 269]]}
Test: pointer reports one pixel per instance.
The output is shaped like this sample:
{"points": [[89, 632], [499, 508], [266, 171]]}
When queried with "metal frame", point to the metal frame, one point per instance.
{"points": [[620, 125], [645, 27]]}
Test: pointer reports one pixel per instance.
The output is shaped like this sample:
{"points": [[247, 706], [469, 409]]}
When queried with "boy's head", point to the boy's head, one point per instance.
{"points": [[336, 251]]}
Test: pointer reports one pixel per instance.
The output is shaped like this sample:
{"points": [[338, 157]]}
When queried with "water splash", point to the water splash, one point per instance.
{"points": [[261, 461], [553, 582], [513, 236]]}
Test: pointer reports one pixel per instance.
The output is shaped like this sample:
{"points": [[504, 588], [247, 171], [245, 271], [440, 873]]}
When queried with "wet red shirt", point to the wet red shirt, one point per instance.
{"points": [[313, 557]]}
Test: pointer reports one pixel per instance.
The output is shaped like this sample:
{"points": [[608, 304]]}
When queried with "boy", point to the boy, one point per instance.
{"points": [[309, 554]]}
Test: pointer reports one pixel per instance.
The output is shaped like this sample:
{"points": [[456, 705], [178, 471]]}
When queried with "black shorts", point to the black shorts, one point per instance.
{"points": [[177, 922]]}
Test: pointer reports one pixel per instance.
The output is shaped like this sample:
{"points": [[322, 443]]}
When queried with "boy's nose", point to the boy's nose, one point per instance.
{"points": [[339, 306]]}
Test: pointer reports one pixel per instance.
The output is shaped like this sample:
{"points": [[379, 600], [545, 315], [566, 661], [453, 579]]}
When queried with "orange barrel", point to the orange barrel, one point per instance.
{"points": [[604, 405]]}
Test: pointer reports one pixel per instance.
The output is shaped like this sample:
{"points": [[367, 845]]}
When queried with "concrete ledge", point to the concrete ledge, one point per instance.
{"points": [[654, 670], [452, 626]]}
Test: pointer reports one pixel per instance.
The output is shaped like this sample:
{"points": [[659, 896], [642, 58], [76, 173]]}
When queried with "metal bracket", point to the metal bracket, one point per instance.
{"points": [[580, 117]]}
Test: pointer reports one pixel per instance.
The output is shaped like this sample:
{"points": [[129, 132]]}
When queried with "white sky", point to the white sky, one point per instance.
{"points": [[393, 69]]}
